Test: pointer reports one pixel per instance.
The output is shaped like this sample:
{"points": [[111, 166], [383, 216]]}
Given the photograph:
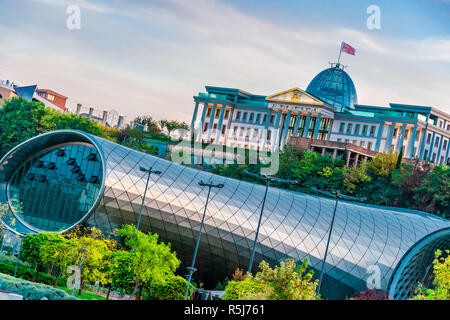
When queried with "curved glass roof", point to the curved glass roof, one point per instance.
{"points": [[295, 225], [335, 87]]}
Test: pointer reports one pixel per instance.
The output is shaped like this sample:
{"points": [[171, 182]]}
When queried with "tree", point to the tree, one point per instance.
{"points": [[134, 137], [355, 178], [20, 120], [31, 249], [93, 251], [151, 261], [148, 121], [441, 271], [383, 164], [433, 195], [59, 251], [121, 272], [173, 125], [288, 281]]}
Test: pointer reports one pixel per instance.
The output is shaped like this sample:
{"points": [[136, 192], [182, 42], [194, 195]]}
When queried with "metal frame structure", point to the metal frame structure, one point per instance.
{"points": [[295, 225]]}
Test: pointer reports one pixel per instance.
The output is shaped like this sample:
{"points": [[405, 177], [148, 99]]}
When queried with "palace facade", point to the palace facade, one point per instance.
{"points": [[325, 117]]}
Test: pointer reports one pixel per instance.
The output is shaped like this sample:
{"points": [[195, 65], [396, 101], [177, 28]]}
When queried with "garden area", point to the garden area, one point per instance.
{"points": [[126, 265]]}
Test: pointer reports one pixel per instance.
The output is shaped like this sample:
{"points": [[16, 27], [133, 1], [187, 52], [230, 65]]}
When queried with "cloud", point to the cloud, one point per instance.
{"points": [[142, 57]]}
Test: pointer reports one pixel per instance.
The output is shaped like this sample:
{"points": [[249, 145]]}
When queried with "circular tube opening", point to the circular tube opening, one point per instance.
{"points": [[52, 182]]}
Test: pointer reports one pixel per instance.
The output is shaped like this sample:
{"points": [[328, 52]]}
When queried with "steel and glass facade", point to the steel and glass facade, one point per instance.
{"points": [[80, 178]]}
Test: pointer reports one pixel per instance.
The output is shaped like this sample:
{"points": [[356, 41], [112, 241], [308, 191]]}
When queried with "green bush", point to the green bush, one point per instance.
{"points": [[28, 274], [172, 289], [148, 148], [31, 290], [8, 259]]}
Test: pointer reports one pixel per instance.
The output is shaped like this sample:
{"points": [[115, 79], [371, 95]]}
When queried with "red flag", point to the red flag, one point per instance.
{"points": [[347, 48]]}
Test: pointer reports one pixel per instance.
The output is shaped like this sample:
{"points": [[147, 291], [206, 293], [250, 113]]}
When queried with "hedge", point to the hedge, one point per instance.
{"points": [[28, 274]]}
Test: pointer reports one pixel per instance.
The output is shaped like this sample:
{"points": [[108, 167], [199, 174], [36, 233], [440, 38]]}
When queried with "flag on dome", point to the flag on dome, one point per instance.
{"points": [[347, 48]]}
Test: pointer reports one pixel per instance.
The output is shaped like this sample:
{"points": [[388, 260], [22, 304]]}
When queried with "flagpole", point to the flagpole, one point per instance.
{"points": [[340, 51]]}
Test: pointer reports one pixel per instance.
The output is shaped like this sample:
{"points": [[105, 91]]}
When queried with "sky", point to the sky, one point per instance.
{"points": [[150, 57]]}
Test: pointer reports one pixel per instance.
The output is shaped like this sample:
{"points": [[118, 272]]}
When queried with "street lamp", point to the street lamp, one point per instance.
{"points": [[19, 242], [338, 196], [149, 172], [82, 250], [268, 179], [192, 269]]}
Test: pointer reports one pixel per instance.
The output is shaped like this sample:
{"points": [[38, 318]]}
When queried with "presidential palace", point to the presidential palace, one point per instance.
{"points": [[326, 118]]}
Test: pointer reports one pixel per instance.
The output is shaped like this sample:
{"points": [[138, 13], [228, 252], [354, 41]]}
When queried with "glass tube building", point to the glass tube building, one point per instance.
{"points": [[63, 178]]}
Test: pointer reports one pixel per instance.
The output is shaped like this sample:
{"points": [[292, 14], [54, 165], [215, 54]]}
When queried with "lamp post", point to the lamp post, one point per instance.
{"points": [[268, 180], [149, 172], [18, 256], [338, 196], [82, 250], [192, 269]]}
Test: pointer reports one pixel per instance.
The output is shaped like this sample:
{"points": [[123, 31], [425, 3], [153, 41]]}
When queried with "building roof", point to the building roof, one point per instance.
{"points": [[335, 87]]}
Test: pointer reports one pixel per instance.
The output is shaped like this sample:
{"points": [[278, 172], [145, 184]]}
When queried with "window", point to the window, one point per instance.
{"points": [[255, 133], [395, 133], [269, 133], [425, 156], [357, 129], [241, 133], [265, 118], [235, 131], [406, 134], [364, 132], [369, 146], [227, 114], [50, 97], [372, 131], [251, 116], [244, 117], [346, 140], [208, 113], [349, 128], [223, 129], [428, 138], [238, 115], [434, 157], [258, 117], [436, 143], [339, 140], [445, 145], [272, 119], [362, 144], [218, 113], [354, 142], [417, 136], [341, 127], [215, 126], [205, 127]]}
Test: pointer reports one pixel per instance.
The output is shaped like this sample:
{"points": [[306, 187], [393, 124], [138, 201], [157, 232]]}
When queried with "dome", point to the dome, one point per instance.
{"points": [[335, 87]]}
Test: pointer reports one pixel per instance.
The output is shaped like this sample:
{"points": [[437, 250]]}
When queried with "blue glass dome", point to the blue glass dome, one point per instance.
{"points": [[335, 87]]}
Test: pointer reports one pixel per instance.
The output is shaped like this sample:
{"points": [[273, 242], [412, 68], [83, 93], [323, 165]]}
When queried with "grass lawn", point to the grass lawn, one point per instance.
{"points": [[84, 294]]}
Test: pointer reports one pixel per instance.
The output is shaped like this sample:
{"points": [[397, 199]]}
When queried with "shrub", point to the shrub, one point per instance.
{"points": [[28, 274], [172, 289], [148, 148], [30, 290], [371, 294]]}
